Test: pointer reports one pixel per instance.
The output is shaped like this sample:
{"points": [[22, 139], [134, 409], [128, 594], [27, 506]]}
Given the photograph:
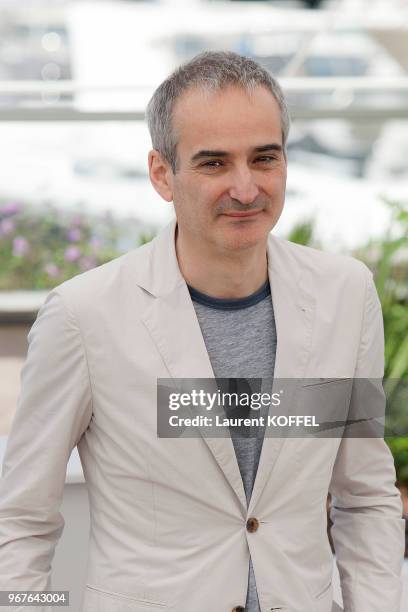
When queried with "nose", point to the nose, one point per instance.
{"points": [[243, 186]]}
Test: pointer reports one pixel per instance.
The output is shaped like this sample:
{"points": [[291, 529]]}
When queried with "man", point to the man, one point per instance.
{"points": [[205, 523]]}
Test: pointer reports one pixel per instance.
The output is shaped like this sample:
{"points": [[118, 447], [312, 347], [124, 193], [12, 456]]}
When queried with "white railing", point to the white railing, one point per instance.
{"points": [[342, 89]]}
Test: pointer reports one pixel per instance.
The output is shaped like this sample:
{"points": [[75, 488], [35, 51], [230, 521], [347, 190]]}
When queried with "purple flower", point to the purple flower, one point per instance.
{"points": [[6, 227], [52, 270], [11, 208], [72, 253], [95, 243], [20, 246], [86, 263], [74, 234], [77, 220]]}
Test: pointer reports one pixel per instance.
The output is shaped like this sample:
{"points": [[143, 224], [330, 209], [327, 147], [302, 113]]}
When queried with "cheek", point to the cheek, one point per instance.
{"points": [[192, 202], [204, 196], [212, 193], [276, 184]]}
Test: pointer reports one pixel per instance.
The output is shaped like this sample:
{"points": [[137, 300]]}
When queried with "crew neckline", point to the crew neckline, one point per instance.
{"points": [[230, 303]]}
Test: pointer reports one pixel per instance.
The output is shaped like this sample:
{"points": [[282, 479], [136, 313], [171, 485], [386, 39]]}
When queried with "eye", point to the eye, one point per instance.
{"points": [[212, 164], [266, 158]]}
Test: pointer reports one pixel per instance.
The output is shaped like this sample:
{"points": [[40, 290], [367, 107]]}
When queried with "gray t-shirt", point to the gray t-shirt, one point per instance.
{"points": [[240, 337]]}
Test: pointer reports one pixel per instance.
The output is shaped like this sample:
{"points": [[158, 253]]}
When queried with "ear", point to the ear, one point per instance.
{"points": [[160, 174]]}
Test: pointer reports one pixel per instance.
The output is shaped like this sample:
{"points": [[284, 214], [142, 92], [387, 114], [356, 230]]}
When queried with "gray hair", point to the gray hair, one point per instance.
{"points": [[211, 71]]}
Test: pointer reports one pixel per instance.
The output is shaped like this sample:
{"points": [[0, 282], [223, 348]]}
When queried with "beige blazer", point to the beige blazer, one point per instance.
{"points": [[168, 516]]}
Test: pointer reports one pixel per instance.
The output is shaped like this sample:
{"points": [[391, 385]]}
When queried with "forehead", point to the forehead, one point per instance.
{"points": [[231, 118]]}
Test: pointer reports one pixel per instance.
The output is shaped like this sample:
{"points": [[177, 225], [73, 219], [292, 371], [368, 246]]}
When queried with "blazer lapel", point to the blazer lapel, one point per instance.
{"points": [[172, 323], [294, 310]]}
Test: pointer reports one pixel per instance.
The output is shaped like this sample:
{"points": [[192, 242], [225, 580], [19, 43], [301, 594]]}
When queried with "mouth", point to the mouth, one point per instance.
{"points": [[243, 214]]}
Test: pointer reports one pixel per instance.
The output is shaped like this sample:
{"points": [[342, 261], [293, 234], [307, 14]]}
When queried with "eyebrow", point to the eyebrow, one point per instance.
{"points": [[208, 153]]}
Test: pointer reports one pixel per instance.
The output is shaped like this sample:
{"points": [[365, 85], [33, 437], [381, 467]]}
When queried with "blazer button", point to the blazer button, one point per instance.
{"points": [[238, 609], [252, 524]]}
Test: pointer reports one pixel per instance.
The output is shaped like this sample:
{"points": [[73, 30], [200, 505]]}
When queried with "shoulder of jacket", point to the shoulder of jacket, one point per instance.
{"points": [[322, 262], [105, 280]]}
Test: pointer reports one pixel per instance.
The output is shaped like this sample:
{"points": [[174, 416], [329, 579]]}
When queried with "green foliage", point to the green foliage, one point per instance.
{"points": [[42, 247], [388, 259], [399, 449], [303, 233]]}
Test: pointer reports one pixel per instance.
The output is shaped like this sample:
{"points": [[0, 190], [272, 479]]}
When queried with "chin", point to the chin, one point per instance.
{"points": [[240, 238]]}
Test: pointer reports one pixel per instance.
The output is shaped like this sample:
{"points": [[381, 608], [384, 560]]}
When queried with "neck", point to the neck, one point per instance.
{"points": [[231, 274]]}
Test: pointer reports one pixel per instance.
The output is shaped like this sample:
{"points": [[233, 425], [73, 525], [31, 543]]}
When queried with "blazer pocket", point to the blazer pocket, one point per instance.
{"points": [[322, 382], [328, 401], [126, 603]]}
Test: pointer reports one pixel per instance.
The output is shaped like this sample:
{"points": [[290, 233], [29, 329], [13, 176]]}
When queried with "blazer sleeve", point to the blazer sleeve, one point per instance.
{"points": [[53, 411], [368, 529]]}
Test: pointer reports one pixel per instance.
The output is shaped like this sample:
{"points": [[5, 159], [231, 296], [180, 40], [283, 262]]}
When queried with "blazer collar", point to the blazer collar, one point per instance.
{"points": [[160, 273]]}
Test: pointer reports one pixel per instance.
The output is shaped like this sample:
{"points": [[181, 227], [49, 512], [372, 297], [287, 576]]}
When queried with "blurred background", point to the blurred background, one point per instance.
{"points": [[75, 78]]}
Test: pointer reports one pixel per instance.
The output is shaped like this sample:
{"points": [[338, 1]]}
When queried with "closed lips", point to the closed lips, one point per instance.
{"points": [[243, 214]]}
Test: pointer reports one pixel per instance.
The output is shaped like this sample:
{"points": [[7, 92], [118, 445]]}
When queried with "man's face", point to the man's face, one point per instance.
{"points": [[229, 188]]}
